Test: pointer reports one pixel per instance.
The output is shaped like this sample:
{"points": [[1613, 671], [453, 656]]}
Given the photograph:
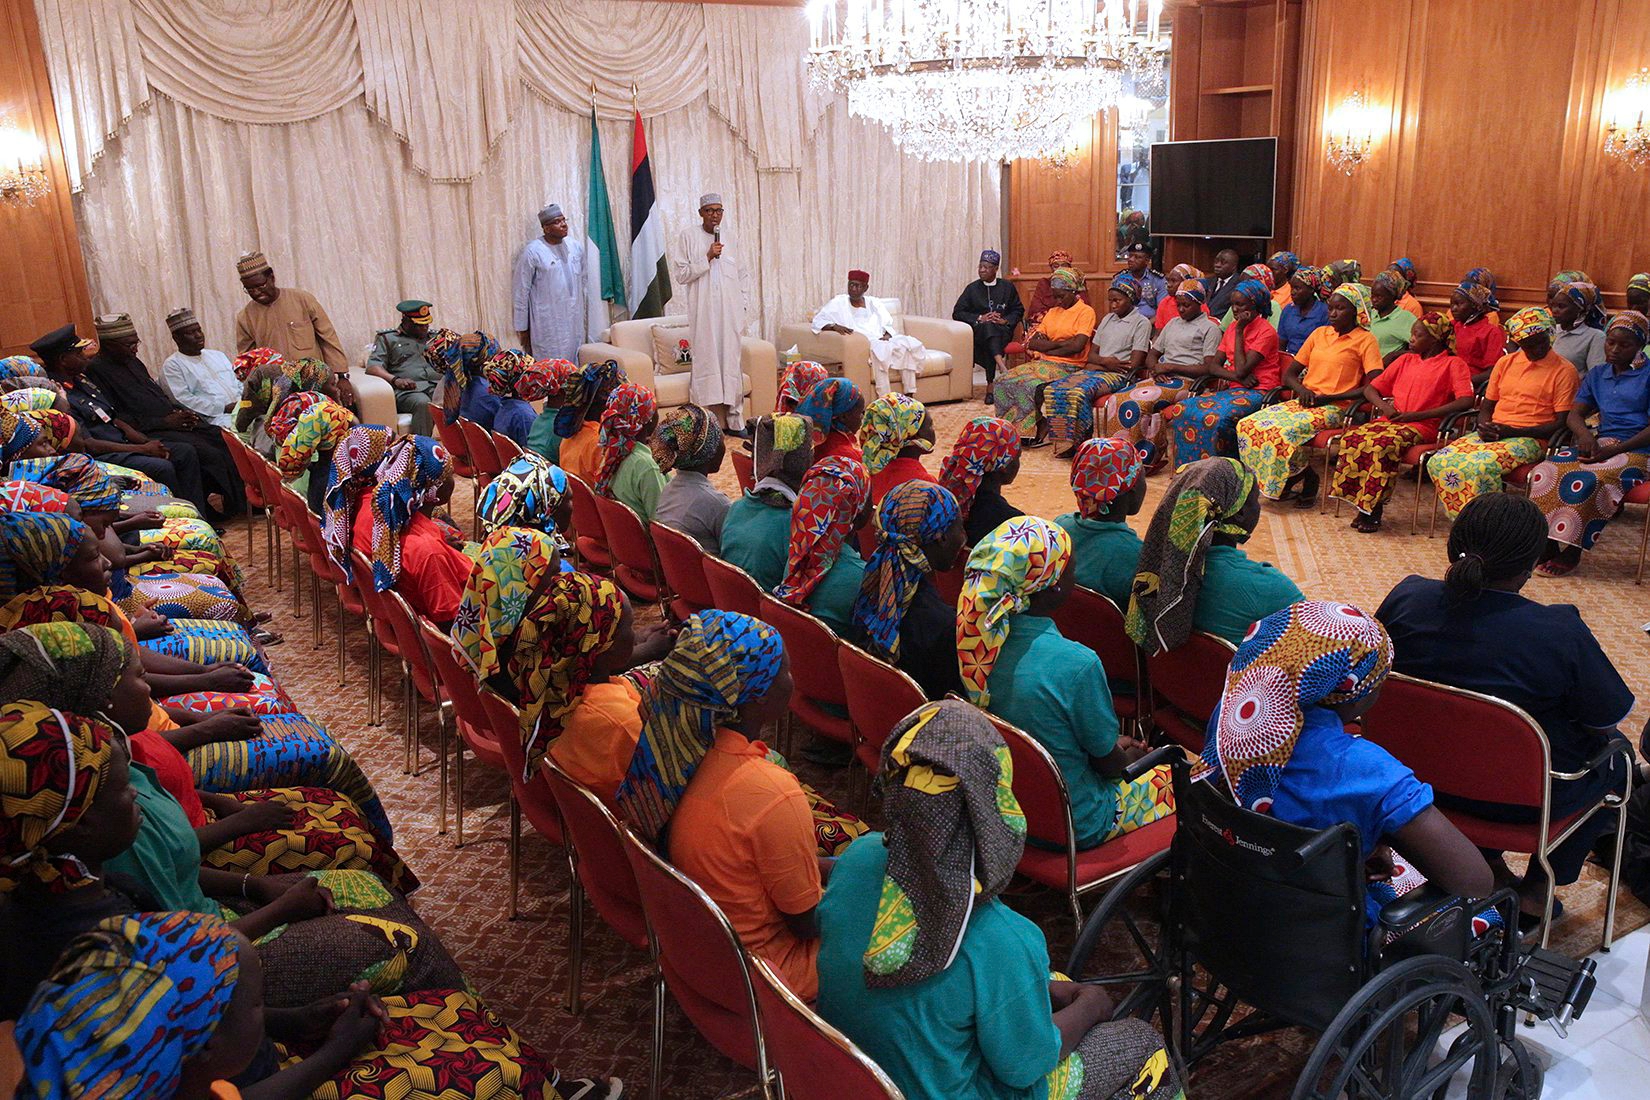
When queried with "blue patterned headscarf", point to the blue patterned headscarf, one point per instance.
{"points": [[35, 548], [721, 661], [1256, 292], [19, 366], [1128, 286], [17, 433], [1287, 260], [913, 514], [128, 1004], [828, 402], [582, 391], [412, 471], [526, 493]]}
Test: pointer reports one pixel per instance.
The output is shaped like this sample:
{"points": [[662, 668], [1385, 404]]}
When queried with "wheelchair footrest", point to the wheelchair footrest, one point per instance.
{"points": [[1555, 987]]}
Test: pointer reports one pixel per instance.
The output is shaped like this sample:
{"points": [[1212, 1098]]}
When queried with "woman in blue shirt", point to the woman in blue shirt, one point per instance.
{"points": [[922, 966], [1306, 310], [1279, 744], [1580, 487]]}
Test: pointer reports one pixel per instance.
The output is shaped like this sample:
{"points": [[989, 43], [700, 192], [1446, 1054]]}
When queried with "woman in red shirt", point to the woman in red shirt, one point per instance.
{"points": [[837, 408], [1251, 363], [1411, 398], [1479, 337], [410, 551], [896, 431]]}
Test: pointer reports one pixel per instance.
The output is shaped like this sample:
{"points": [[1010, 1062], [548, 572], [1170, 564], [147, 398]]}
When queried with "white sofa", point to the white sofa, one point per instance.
{"points": [[947, 372], [631, 343], [376, 398]]}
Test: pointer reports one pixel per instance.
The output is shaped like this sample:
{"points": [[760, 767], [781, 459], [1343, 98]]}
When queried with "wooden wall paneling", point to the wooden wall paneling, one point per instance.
{"points": [[1286, 34], [42, 275], [1069, 208]]}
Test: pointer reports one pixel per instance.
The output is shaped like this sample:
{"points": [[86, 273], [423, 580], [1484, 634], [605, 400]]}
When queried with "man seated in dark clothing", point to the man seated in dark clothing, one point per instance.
{"points": [[107, 436], [123, 377], [992, 308]]}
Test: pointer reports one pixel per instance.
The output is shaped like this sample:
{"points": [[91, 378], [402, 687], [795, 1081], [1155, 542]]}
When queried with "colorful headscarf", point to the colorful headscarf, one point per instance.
{"points": [[1286, 260], [1309, 277], [1639, 281], [20, 366], [581, 391], [627, 415], [321, 428], [1393, 281], [1066, 278], [1442, 327], [1634, 322], [504, 371], [720, 662], [1203, 500], [549, 380], [62, 665], [1261, 274], [64, 603], [413, 469], [307, 375], [35, 548], [828, 505], [247, 362], [1481, 296], [829, 402], [460, 358], [539, 629], [32, 496], [1358, 295], [1313, 653], [1257, 295], [1194, 290], [526, 493], [782, 449], [891, 424], [912, 515], [799, 378], [57, 428], [985, 445], [1101, 471], [1128, 286], [127, 1005], [1008, 567], [955, 834], [284, 419], [1349, 271], [1404, 266], [1484, 277], [1059, 258], [1528, 322], [1565, 278], [689, 437], [1583, 293], [83, 478], [27, 398], [1182, 272], [17, 434], [355, 464], [51, 766]]}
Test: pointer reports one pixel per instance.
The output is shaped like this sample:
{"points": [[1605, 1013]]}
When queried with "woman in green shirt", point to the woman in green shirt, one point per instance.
{"points": [[1389, 322], [1106, 480], [757, 532], [823, 572], [629, 473]]}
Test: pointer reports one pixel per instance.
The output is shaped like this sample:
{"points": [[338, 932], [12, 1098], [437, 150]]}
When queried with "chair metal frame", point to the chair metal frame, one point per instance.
{"points": [[764, 978]]}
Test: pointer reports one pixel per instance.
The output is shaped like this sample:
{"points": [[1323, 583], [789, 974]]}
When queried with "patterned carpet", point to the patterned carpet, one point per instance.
{"points": [[521, 966]]}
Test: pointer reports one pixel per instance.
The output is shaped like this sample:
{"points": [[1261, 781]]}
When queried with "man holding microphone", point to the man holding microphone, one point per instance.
{"points": [[708, 265]]}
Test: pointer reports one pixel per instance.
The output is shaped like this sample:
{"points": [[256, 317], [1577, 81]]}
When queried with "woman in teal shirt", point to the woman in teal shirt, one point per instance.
{"points": [[757, 531], [1106, 480], [1015, 662], [955, 1001], [1192, 575], [823, 573]]}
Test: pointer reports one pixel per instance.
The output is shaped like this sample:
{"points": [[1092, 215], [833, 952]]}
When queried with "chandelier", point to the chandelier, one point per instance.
{"points": [[994, 80], [1625, 136]]}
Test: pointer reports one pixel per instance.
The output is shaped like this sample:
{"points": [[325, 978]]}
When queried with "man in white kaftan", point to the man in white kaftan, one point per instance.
{"points": [[548, 291], [854, 312], [718, 306], [198, 377]]}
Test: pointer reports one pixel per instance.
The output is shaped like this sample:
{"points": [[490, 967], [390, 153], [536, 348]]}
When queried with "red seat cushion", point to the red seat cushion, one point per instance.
{"points": [[1094, 864], [1417, 454], [1500, 836]]}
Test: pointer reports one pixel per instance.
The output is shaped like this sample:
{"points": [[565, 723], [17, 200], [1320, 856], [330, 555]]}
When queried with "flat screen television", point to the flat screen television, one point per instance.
{"points": [[1214, 188]]}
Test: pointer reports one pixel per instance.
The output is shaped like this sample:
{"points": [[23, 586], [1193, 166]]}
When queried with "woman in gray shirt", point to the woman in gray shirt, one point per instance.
{"points": [[690, 442], [1182, 353], [1579, 336], [1118, 350]]}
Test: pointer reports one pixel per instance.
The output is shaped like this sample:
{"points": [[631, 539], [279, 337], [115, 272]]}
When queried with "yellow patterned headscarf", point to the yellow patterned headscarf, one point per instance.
{"points": [[51, 765], [321, 427], [1358, 295], [1529, 322], [891, 424], [1008, 567]]}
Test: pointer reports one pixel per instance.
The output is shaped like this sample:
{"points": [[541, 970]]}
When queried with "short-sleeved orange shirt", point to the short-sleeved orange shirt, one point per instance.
{"points": [[598, 736], [580, 455], [1062, 323], [744, 833], [1336, 363], [1528, 393]]}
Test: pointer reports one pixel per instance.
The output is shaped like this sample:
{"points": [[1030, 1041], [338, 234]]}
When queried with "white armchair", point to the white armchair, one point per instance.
{"points": [[640, 346], [947, 372], [376, 398]]}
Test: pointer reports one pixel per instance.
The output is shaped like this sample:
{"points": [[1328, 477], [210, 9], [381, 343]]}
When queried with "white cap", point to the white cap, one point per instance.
{"points": [[550, 213], [712, 199]]}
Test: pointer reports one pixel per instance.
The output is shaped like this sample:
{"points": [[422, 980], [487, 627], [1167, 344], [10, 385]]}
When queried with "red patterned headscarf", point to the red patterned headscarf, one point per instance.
{"points": [[831, 499], [985, 445], [32, 496], [287, 413], [1442, 327], [248, 361], [799, 378], [627, 414], [1102, 471]]}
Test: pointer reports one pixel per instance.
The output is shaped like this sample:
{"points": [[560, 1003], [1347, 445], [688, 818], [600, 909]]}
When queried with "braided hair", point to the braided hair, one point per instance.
{"points": [[1496, 536]]}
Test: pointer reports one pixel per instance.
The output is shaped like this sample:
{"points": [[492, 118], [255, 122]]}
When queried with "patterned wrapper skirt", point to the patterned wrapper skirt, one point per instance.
{"points": [[292, 751], [1140, 415], [1579, 498], [208, 642], [1270, 441], [193, 547], [1205, 426], [1469, 467], [177, 596], [1069, 403], [834, 828], [1118, 1059], [1018, 392], [1367, 470], [327, 833], [266, 697]]}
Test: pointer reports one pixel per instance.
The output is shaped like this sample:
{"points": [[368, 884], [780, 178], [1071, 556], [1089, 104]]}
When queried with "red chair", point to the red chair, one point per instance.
{"points": [[508, 450], [815, 672], [327, 572], [879, 698], [1186, 685], [814, 1060], [483, 455], [701, 961], [634, 565], [597, 867], [1093, 620], [529, 794], [1041, 791], [421, 677], [589, 536], [744, 468], [733, 588], [270, 486], [452, 438], [244, 458], [1640, 494], [290, 510], [475, 729], [681, 562], [1473, 746], [380, 635]]}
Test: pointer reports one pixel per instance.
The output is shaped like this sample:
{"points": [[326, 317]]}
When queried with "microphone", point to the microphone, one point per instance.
{"points": [[716, 236]]}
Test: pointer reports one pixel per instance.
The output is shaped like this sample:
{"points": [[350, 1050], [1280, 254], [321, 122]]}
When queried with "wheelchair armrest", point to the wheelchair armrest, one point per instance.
{"points": [[1166, 754], [1561, 438], [1275, 395], [1406, 911]]}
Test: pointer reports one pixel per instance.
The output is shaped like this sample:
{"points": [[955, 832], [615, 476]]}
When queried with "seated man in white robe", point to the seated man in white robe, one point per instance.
{"points": [[854, 312], [199, 378]]}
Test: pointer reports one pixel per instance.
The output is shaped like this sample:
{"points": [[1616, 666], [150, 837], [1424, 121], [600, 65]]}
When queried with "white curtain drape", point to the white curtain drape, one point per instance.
{"points": [[426, 185]]}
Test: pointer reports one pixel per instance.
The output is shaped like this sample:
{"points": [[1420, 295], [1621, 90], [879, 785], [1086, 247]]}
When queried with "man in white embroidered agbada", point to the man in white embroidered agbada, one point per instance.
{"points": [[710, 266], [890, 352], [547, 298]]}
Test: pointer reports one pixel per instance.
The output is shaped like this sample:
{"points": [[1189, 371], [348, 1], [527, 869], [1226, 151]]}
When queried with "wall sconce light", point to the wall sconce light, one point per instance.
{"points": [[1062, 159], [1350, 136], [1625, 137], [23, 177]]}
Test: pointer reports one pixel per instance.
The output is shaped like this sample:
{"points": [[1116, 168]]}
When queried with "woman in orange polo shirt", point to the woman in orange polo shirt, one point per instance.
{"points": [[1529, 393], [1329, 370]]}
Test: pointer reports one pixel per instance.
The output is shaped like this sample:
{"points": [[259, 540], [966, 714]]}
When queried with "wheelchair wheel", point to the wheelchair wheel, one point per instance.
{"points": [[1122, 946], [1384, 1044], [1521, 1075]]}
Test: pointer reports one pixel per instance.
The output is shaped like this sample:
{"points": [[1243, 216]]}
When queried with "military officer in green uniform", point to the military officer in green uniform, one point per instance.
{"points": [[398, 358]]}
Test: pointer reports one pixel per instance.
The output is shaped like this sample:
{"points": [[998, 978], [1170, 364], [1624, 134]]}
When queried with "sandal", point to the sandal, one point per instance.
{"points": [[1033, 442], [1307, 497], [1553, 567], [1067, 453], [1366, 524]]}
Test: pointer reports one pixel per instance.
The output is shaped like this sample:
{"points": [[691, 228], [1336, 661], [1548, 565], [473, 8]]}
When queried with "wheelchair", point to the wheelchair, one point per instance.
{"points": [[1247, 925]]}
